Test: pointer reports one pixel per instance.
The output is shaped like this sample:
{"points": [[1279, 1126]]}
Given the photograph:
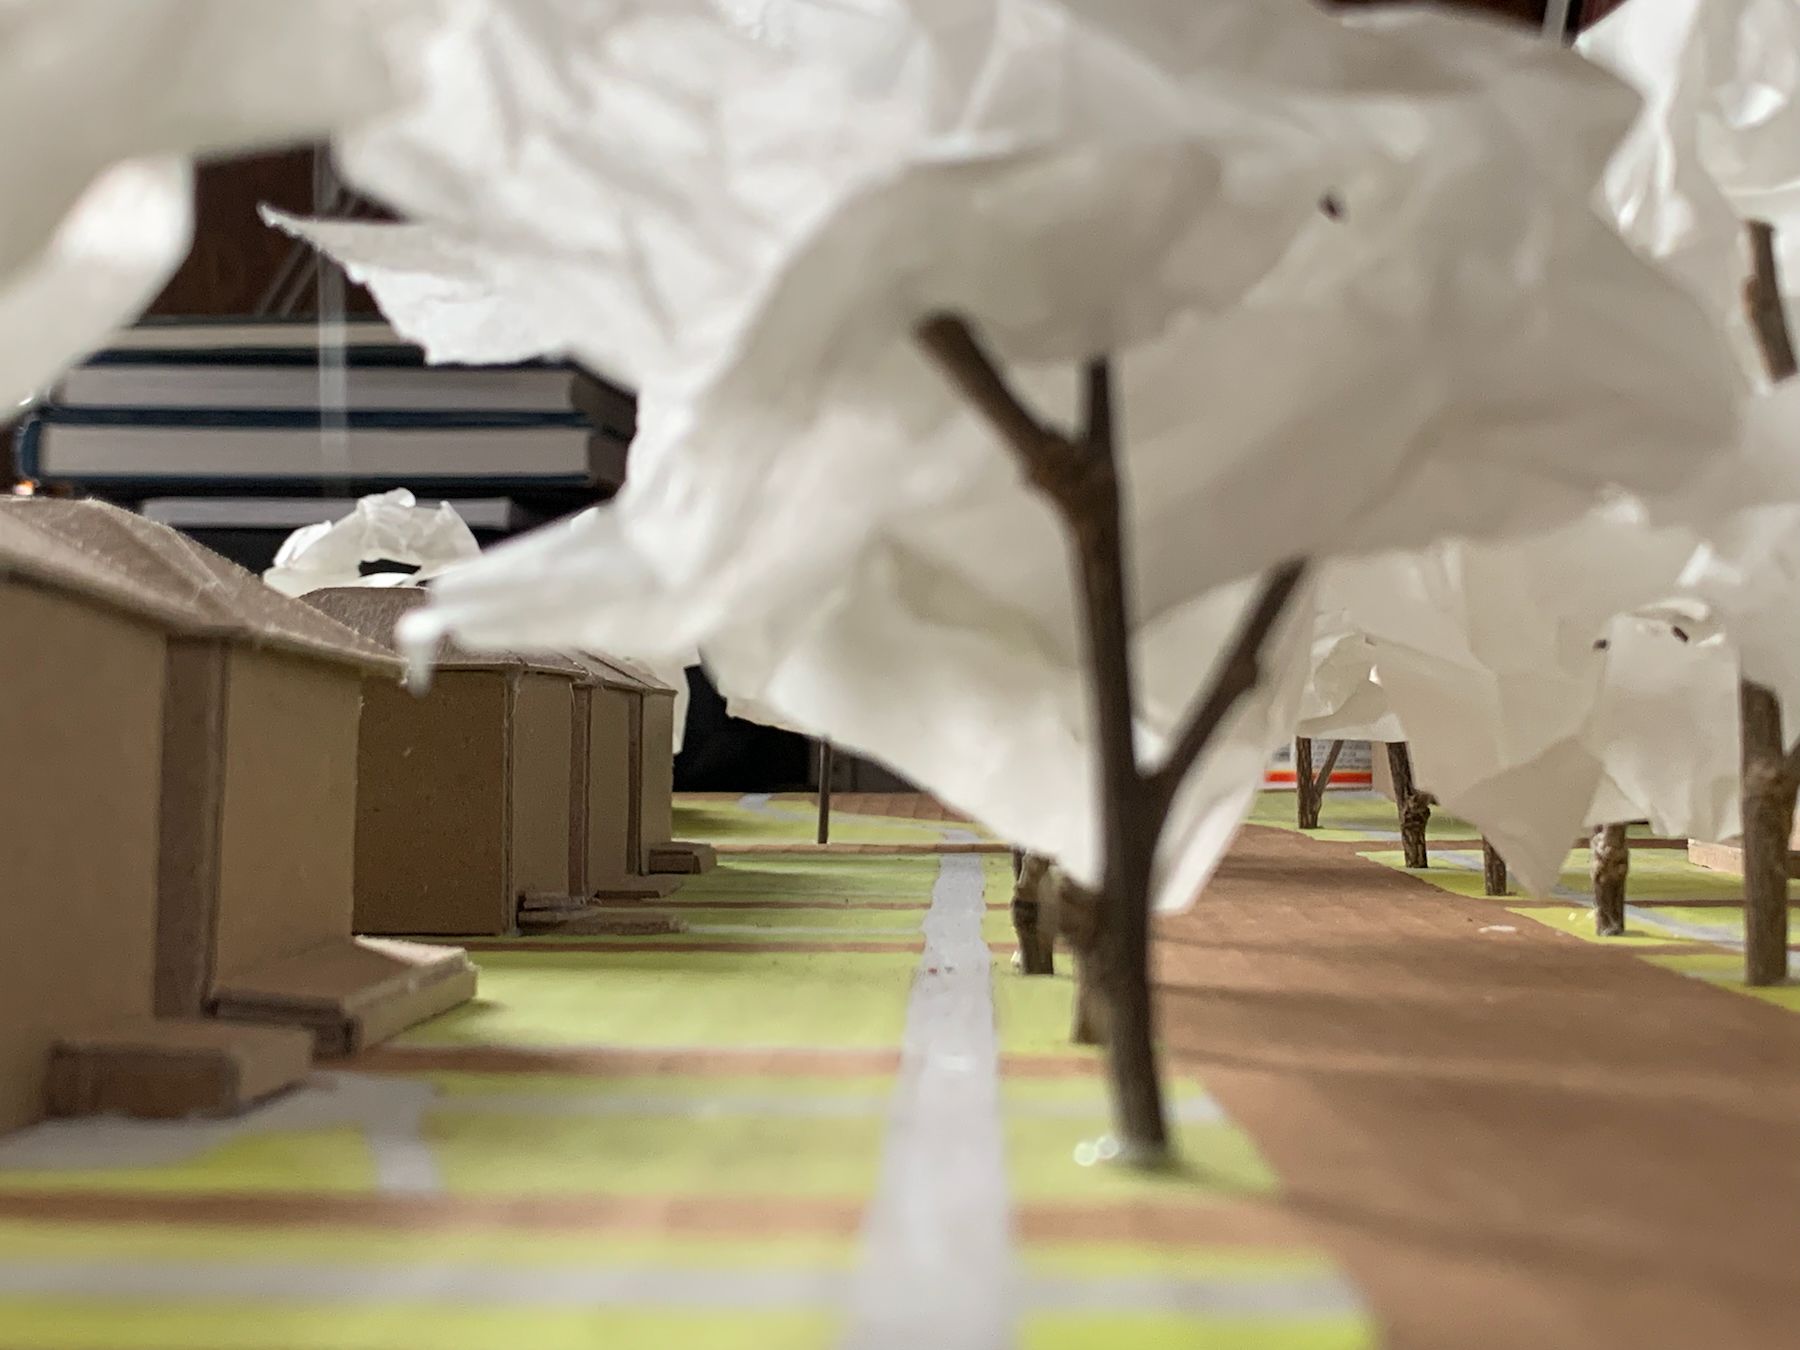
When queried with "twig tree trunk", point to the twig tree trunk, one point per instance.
{"points": [[826, 758], [1309, 791], [1771, 771], [1037, 939], [1079, 474], [1306, 806], [1610, 867], [1493, 869], [1414, 806], [1769, 785]]}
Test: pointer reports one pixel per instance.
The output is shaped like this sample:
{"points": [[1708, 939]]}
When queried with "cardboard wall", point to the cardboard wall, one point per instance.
{"points": [[543, 712], [81, 695], [657, 784], [432, 833], [288, 830], [610, 765], [578, 791], [193, 747]]}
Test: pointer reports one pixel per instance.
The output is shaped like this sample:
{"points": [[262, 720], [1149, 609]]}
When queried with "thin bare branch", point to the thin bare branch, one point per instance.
{"points": [[953, 344], [1238, 675], [1331, 759], [1097, 416], [1763, 296]]}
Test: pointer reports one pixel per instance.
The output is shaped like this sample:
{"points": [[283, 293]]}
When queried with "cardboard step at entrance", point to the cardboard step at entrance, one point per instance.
{"points": [[351, 994], [602, 921], [174, 1068], [549, 902], [635, 888], [681, 858], [1729, 857]]}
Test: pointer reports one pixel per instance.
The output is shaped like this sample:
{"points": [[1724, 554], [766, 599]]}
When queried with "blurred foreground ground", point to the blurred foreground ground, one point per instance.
{"points": [[830, 1115]]}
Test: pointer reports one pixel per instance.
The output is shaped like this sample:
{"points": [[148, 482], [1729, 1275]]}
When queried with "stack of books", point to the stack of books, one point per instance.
{"points": [[212, 408]]}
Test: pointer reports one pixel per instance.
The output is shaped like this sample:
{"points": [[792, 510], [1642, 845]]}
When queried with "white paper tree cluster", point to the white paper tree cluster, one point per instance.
{"points": [[1347, 273], [1352, 299], [1589, 676]]}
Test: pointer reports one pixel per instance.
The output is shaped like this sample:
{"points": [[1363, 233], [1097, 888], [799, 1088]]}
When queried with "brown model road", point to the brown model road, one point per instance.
{"points": [[1509, 1139]]}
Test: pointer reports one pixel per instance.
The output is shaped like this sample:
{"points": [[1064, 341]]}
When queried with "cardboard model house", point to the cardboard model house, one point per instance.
{"points": [[651, 712], [463, 821], [606, 800], [181, 746]]}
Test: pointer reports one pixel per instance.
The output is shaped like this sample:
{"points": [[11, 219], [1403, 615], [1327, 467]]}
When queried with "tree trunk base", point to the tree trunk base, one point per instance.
{"points": [[1768, 800], [1037, 938], [1088, 1024], [1610, 869], [1306, 800], [1493, 870], [1415, 817], [1414, 807]]}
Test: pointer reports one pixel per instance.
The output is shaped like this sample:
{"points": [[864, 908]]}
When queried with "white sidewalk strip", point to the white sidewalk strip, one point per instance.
{"points": [[937, 1261]]}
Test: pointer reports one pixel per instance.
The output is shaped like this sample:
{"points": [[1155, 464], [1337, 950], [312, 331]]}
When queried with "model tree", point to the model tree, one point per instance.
{"points": [[959, 440], [1695, 179]]}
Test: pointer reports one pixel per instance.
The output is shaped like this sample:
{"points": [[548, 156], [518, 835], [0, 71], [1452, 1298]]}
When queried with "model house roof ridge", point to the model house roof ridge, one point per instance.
{"points": [[374, 611], [633, 670], [122, 560], [610, 673]]}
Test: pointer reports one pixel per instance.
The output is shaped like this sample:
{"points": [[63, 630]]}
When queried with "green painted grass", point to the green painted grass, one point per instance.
{"points": [[810, 877], [697, 1156], [1658, 876], [55, 1240], [1055, 1159], [668, 1085], [555, 999], [1149, 1331], [1033, 1012], [1726, 969], [1580, 923], [794, 818], [1348, 812], [334, 1161], [135, 1324]]}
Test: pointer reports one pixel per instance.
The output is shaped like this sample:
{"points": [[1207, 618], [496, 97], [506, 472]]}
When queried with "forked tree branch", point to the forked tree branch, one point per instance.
{"points": [[1053, 461], [951, 341], [1237, 675]]}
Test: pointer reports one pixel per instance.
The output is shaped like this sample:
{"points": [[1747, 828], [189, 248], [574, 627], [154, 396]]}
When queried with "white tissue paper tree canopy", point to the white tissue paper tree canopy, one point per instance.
{"points": [[1511, 726], [1347, 273], [102, 104], [105, 261], [1717, 145], [383, 527], [1533, 700]]}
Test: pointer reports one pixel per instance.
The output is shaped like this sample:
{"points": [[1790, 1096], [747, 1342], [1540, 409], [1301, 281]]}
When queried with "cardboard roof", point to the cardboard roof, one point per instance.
{"points": [[110, 556], [643, 675], [609, 673], [373, 611]]}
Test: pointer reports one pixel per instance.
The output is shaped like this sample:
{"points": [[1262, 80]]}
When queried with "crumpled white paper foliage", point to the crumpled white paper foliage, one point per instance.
{"points": [[106, 260], [1716, 142], [1348, 273], [385, 526], [101, 103]]}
